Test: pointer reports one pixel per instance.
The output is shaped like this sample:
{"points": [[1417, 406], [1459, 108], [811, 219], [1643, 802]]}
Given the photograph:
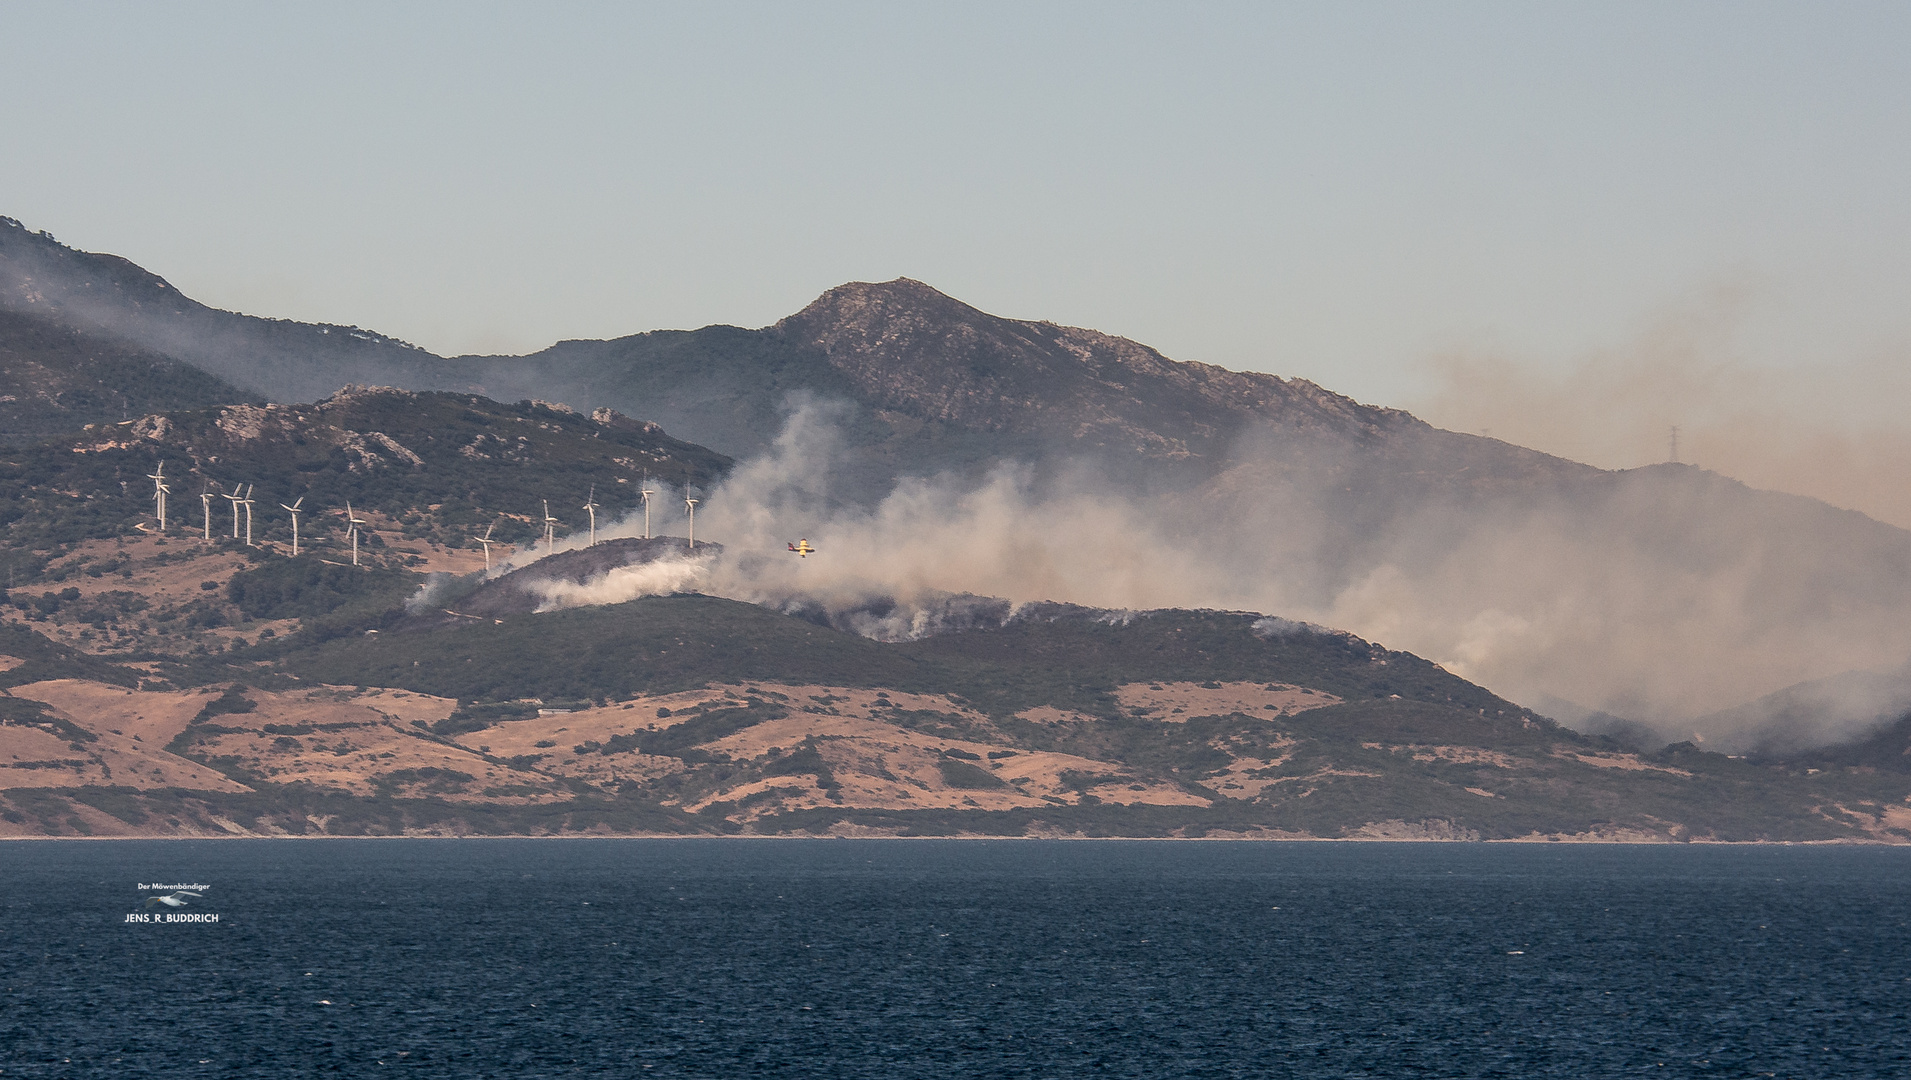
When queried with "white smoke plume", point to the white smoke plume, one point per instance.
{"points": [[667, 518], [1590, 603], [938, 536], [660, 577]]}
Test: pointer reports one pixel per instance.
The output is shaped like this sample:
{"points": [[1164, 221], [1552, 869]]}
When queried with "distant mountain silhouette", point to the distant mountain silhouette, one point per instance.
{"points": [[938, 382], [1661, 593], [107, 297]]}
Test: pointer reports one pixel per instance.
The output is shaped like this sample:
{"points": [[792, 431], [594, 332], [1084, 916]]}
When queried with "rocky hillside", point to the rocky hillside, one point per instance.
{"points": [[55, 378], [430, 469], [1661, 595], [930, 384], [936, 383], [690, 714], [104, 298], [908, 348]]}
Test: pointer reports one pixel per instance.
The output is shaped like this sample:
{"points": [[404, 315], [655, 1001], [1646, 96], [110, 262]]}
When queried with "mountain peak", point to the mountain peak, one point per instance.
{"points": [[914, 349], [902, 292], [858, 317]]}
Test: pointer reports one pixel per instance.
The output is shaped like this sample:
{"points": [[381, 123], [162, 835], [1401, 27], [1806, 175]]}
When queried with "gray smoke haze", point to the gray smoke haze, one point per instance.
{"points": [[1834, 430], [1600, 599], [937, 536], [1842, 708]]}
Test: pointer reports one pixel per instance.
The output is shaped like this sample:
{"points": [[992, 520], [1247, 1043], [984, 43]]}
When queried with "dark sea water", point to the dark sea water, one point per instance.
{"points": [[845, 958]]}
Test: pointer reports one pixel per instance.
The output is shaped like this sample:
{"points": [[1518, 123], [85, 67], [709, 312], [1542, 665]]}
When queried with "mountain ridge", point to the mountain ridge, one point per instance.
{"points": [[1663, 593], [879, 334], [694, 714], [112, 296], [1066, 385]]}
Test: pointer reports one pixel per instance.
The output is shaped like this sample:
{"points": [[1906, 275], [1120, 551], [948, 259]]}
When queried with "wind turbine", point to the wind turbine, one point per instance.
{"points": [[294, 508], [487, 542], [234, 500], [247, 503], [646, 493], [690, 506], [158, 477], [352, 522], [590, 507], [205, 503], [550, 544]]}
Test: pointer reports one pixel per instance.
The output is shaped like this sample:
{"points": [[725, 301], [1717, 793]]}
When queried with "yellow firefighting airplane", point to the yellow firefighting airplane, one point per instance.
{"points": [[803, 549]]}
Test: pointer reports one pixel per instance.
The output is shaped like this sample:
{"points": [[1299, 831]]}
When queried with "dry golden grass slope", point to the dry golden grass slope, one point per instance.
{"points": [[372, 741]]}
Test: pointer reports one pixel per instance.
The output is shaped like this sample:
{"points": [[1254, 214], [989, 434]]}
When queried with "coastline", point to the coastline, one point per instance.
{"points": [[978, 837]]}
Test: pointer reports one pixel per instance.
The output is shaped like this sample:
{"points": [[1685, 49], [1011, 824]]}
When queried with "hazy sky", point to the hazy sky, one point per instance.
{"points": [[1395, 200]]}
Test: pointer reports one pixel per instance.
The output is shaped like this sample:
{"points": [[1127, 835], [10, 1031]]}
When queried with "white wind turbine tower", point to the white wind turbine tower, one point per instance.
{"points": [[294, 508], [590, 507], [205, 503], [690, 507], [160, 490], [247, 503], [234, 500], [646, 493], [550, 542], [352, 522], [486, 541]]}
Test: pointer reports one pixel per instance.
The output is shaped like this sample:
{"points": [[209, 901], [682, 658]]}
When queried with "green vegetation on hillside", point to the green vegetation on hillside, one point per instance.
{"points": [[652, 645], [1076, 662], [328, 599], [442, 466], [669, 643], [55, 378], [46, 659]]}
